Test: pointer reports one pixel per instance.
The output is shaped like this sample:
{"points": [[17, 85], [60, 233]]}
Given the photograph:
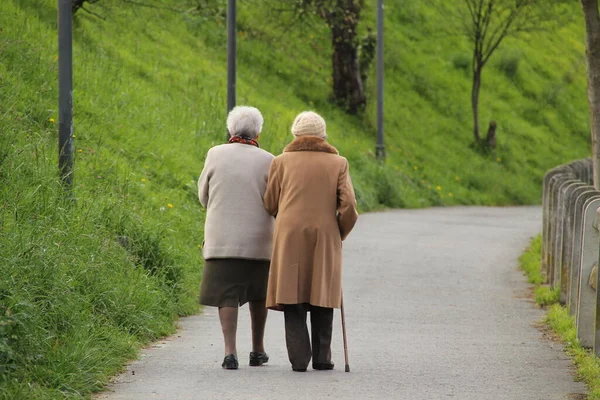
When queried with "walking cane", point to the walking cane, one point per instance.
{"points": [[344, 334]]}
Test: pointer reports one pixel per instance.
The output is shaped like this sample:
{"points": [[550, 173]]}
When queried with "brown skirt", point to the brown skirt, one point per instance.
{"points": [[232, 282]]}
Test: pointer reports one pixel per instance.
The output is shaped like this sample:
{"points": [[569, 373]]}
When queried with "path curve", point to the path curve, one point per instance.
{"points": [[436, 308]]}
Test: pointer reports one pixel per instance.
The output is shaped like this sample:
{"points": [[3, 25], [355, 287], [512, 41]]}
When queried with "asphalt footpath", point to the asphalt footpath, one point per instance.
{"points": [[436, 308]]}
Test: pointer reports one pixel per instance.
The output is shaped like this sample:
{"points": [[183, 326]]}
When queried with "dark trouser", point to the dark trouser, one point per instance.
{"points": [[296, 334]]}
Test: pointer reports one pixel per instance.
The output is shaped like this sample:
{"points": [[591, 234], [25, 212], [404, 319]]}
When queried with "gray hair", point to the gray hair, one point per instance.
{"points": [[245, 121]]}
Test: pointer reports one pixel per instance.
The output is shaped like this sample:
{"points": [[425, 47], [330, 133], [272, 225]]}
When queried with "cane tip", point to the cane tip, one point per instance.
{"points": [[347, 368]]}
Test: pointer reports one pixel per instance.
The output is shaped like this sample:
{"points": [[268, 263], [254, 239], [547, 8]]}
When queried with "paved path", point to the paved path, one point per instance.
{"points": [[436, 309]]}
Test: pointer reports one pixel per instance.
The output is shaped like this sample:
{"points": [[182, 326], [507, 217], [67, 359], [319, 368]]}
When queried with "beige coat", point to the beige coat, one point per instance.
{"points": [[231, 188], [310, 193]]}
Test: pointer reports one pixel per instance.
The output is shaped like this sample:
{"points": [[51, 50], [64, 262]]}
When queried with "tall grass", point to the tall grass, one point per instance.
{"points": [[73, 301]]}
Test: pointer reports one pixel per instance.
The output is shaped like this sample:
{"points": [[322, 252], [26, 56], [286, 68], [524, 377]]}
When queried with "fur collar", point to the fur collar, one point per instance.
{"points": [[310, 143]]}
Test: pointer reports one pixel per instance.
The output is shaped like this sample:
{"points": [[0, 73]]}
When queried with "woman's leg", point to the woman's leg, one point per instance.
{"points": [[296, 336], [258, 316], [321, 321], [229, 317]]}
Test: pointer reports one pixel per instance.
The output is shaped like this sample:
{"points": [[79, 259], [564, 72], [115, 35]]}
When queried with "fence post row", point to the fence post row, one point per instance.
{"points": [[571, 244]]}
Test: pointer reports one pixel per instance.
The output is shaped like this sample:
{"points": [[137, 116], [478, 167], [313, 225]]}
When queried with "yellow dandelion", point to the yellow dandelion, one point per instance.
{"points": [[143, 179], [450, 194], [438, 188], [51, 120], [73, 136], [170, 205], [80, 151]]}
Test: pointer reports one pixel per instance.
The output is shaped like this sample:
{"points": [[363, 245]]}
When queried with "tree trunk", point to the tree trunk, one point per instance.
{"points": [[348, 90], [592, 44], [475, 100], [490, 139]]}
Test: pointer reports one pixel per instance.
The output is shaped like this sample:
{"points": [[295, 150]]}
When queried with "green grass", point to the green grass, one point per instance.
{"points": [[588, 365], [559, 320], [530, 262], [530, 265], [84, 284]]}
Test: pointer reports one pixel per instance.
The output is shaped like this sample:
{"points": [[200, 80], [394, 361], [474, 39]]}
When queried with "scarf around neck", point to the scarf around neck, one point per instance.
{"points": [[243, 140]]}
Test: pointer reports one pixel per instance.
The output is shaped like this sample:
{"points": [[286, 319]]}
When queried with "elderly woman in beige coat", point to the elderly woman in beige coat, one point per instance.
{"points": [[311, 195], [238, 233]]}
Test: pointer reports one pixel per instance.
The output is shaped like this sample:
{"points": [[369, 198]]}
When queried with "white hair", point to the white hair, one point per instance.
{"points": [[245, 121]]}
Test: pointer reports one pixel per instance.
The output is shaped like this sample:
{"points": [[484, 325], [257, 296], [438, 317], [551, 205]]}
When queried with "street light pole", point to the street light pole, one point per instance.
{"points": [[65, 92], [231, 55], [380, 149]]}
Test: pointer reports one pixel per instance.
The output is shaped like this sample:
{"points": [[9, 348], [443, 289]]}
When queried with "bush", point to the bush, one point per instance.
{"points": [[462, 61], [508, 63], [388, 189], [146, 246]]}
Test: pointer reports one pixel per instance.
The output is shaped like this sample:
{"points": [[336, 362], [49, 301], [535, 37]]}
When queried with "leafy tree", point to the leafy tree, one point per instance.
{"points": [[342, 17], [79, 4]]}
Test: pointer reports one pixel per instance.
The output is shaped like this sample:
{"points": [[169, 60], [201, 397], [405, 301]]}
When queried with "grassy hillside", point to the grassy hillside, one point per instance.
{"points": [[84, 283]]}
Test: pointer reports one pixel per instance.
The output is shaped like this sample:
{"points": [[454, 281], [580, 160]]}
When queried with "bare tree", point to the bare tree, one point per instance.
{"points": [[490, 22], [342, 18], [592, 45], [487, 23]]}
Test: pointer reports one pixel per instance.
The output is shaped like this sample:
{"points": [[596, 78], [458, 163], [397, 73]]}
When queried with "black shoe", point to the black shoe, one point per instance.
{"points": [[230, 362], [258, 358], [323, 366], [298, 369]]}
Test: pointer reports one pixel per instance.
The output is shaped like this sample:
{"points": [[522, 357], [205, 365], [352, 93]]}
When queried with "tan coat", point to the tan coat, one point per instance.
{"points": [[310, 193]]}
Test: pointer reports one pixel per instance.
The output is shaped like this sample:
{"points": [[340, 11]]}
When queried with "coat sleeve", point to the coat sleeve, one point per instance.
{"points": [[346, 202], [204, 181], [271, 199]]}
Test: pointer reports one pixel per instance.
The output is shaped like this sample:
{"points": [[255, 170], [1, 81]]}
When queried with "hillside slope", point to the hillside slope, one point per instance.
{"points": [[84, 283]]}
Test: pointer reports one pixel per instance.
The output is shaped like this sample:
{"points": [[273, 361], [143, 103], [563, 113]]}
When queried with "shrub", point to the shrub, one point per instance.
{"points": [[462, 61], [508, 63]]}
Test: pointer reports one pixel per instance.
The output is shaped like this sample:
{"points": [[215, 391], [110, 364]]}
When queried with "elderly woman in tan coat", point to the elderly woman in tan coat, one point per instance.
{"points": [[310, 193]]}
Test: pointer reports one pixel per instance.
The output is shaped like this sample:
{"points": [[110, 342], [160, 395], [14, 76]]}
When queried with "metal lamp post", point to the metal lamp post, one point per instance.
{"points": [[380, 149], [65, 92], [231, 54]]}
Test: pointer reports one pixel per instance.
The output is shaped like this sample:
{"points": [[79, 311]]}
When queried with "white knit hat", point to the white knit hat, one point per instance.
{"points": [[309, 123]]}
